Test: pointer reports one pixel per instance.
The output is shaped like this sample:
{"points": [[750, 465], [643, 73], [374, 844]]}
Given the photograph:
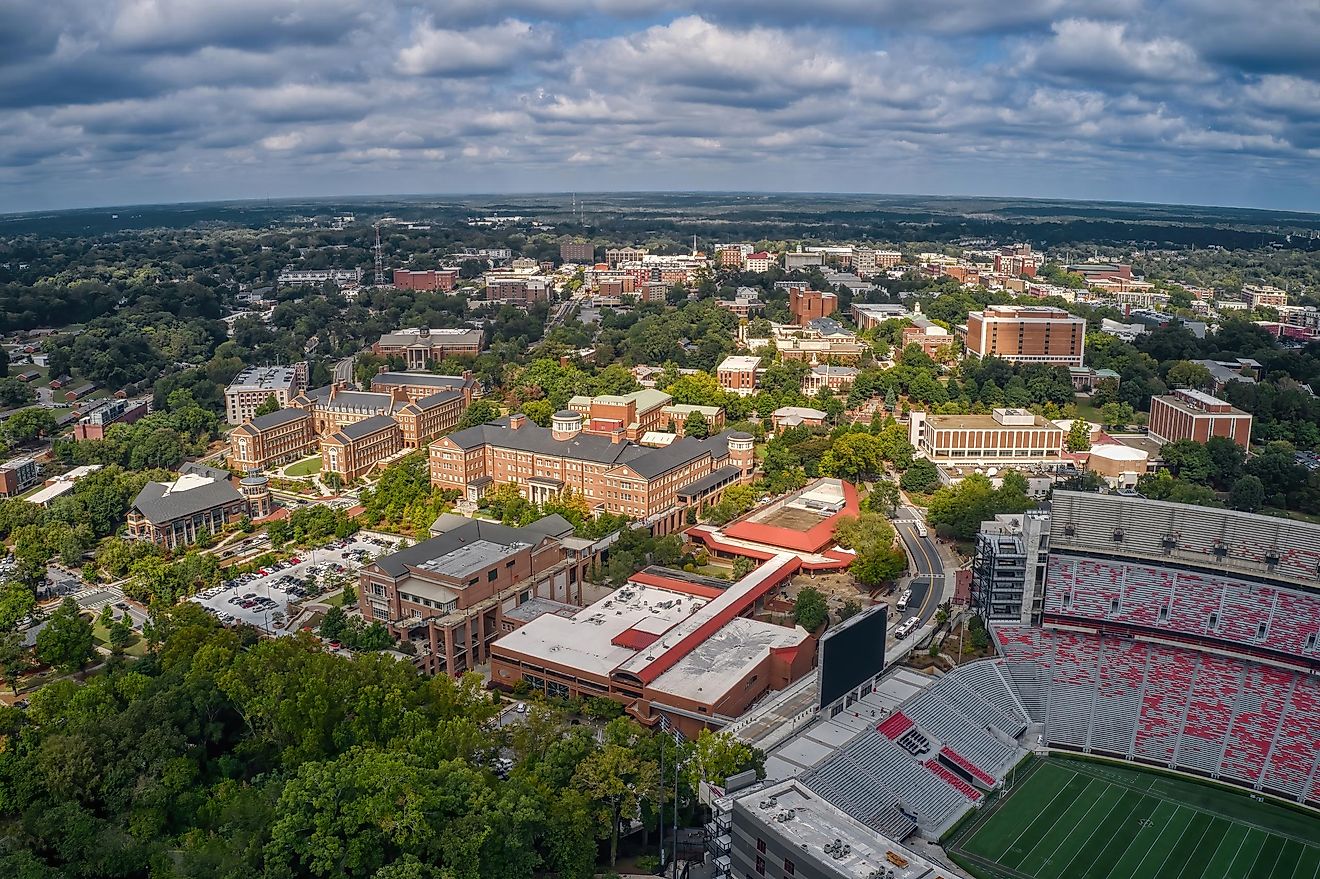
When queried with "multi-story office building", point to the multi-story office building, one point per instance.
{"points": [[93, 425], [355, 449], [1005, 436], [1008, 570], [581, 252], [256, 384], [738, 374], [525, 290], [422, 347], [731, 256], [454, 594], [1026, 334], [867, 262], [806, 305], [651, 485], [200, 503], [870, 315], [1265, 296], [272, 439], [442, 280], [1195, 415]]}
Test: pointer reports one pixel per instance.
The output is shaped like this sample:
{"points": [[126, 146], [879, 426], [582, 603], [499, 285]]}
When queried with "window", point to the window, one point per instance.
{"points": [[760, 866], [492, 575], [760, 846], [789, 867]]}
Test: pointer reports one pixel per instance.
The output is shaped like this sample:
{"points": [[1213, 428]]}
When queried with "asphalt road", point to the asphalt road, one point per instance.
{"points": [[927, 566]]}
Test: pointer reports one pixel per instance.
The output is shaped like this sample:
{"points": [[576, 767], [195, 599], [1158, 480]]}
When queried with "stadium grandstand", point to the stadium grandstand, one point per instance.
{"points": [[1177, 636]]}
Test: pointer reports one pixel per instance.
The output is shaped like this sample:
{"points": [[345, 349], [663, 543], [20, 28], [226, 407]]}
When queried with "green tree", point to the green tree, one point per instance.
{"points": [[809, 609], [539, 411], [615, 781], [1186, 374], [1248, 493], [479, 412], [872, 538], [742, 566], [696, 425], [14, 659], [120, 634], [884, 497], [1188, 459], [922, 477], [66, 641], [714, 756], [1079, 436], [268, 405], [16, 601]]}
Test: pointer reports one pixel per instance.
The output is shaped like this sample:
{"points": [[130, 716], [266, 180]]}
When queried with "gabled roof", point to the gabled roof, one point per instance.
{"points": [[397, 564], [191, 493], [275, 419], [363, 428]]}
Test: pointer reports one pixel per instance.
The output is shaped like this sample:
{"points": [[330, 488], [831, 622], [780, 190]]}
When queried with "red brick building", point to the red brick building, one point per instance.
{"points": [[1027, 334], [807, 305], [431, 280], [1195, 415], [739, 374]]}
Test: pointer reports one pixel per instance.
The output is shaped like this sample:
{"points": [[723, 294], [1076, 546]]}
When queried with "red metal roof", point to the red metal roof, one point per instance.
{"points": [[814, 539], [634, 639], [675, 585]]}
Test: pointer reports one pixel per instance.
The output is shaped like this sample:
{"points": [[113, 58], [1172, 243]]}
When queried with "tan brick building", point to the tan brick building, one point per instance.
{"points": [[1005, 436], [272, 439], [1026, 334], [1197, 416], [256, 384], [355, 449], [651, 485]]}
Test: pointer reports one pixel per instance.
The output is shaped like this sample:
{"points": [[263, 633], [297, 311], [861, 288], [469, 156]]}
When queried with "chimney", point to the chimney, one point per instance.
{"points": [[517, 420], [616, 436], [467, 375]]}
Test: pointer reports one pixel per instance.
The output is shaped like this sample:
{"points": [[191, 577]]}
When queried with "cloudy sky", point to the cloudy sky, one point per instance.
{"points": [[131, 101]]}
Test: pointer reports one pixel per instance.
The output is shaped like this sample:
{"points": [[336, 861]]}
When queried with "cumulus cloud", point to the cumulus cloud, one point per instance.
{"points": [[172, 99], [475, 52]]}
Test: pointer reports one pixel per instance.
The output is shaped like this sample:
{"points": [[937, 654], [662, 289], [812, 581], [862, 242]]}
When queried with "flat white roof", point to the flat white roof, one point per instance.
{"points": [[583, 640], [740, 362], [725, 658]]}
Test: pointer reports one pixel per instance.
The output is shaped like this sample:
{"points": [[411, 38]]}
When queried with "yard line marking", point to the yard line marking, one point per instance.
{"points": [[1043, 814], [1094, 828], [1253, 860], [1220, 845], [1147, 824], [1238, 852], [1160, 870]]}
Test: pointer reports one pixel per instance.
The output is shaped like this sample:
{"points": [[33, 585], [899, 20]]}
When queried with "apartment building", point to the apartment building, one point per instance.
{"points": [[355, 449], [930, 337], [1018, 260], [1195, 415], [617, 256], [292, 277], [526, 290], [18, 475], [807, 305], [867, 262], [1005, 436], [451, 596], [746, 302], [272, 439], [738, 373], [580, 252], [335, 406], [256, 384], [1263, 295], [760, 261], [93, 424], [1026, 334], [609, 472], [731, 256], [422, 346], [430, 280], [198, 504]]}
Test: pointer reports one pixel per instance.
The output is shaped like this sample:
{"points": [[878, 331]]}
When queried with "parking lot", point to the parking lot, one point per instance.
{"points": [[259, 599]]}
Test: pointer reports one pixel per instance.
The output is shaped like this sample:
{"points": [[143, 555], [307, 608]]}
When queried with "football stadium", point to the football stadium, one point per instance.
{"points": [[1153, 710]]}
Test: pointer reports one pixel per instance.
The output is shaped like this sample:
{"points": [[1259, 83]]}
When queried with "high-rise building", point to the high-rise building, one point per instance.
{"points": [[256, 384], [806, 305], [580, 252], [1027, 334]]}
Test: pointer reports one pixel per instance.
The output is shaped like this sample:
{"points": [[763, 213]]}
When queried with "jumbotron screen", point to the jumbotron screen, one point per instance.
{"points": [[851, 653]]}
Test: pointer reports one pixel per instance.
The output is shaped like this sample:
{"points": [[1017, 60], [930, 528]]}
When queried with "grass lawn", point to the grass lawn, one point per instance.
{"points": [[1072, 819], [305, 467], [137, 645]]}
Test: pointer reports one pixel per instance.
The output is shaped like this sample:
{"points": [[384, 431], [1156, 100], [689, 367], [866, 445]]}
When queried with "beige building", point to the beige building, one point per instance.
{"points": [[256, 384], [422, 347], [1006, 436], [1026, 334]]}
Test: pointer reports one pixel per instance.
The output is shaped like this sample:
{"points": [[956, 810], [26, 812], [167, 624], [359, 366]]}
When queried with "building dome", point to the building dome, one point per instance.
{"points": [[568, 414], [566, 424]]}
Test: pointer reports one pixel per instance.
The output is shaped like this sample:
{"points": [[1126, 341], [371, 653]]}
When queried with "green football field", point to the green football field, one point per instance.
{"points": [[1073, 819]]}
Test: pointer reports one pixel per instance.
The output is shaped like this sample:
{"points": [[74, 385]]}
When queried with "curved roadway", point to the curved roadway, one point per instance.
{"points": [[927, 583]]}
